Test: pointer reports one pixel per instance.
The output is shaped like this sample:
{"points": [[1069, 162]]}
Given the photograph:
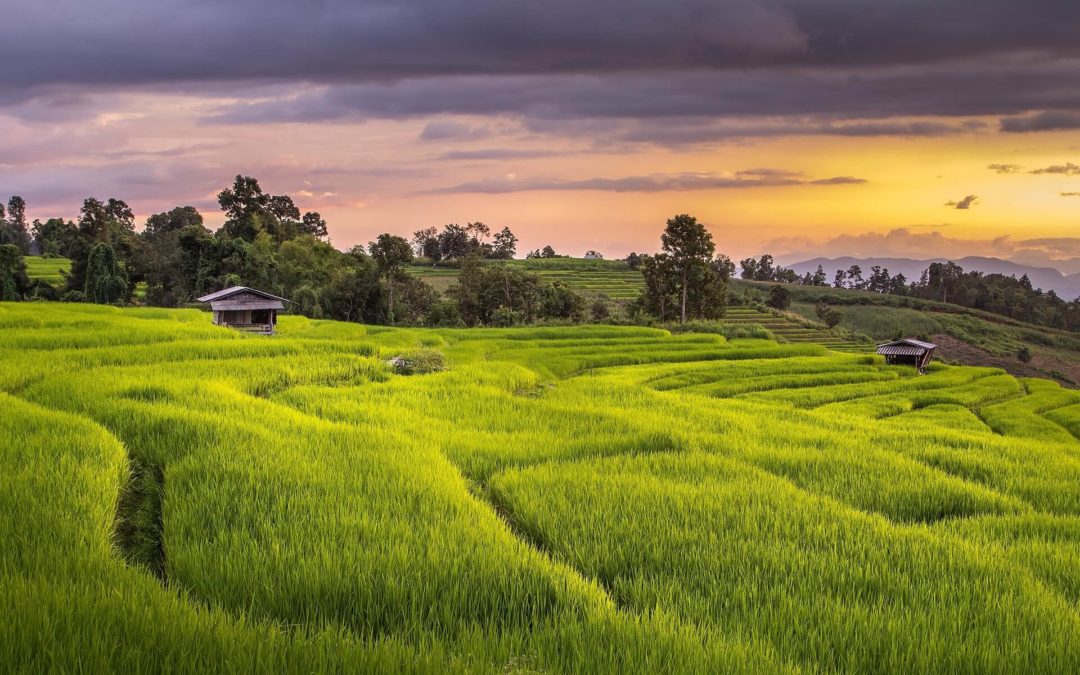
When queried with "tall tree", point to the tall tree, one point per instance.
{"points": [[158, 260], [16, 223], [505, 244], [13, 280], [690, 246], [106, 282], [390, 254], [454, 242]]}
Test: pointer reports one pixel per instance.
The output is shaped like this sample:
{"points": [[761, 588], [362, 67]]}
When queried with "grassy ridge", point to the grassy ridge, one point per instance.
{"points": [[588, 499]]}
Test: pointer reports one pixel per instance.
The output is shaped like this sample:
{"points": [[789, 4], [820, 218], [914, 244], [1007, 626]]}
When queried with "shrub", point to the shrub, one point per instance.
{"points": [[1024, 354], [419, 362], [600, 310], [779, 297], [505, 317]]}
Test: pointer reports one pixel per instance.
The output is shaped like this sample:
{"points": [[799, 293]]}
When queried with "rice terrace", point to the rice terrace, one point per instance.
{"points": [[667, 337], [577, 499]]}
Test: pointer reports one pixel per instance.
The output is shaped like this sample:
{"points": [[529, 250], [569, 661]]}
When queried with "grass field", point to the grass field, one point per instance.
{"points": [[597, 499], [50, 270]]}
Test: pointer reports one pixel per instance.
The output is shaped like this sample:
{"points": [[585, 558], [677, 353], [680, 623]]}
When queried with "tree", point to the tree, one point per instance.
{"points": [[482, 290], [390, 253], [838, 280], [690, 246], [827, 315], [944, 278], [106, 282], [505, 244], [779, 297], [661, 285], [478, 232], [749, 268], [548, 252], [157, 260], [16, 229], [56, 237], [764, 269], [246, 207], [426, 244], [14, 283], [559, 301], [454, 242], [855, 278], [724, 267], [313, 225]]}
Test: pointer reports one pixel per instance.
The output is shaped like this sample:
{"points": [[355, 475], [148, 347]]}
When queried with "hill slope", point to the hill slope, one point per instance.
{"points": [[594, 499]]}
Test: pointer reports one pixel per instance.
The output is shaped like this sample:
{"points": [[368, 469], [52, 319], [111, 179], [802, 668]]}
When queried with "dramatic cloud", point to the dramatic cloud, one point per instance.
{"points": [[1067, 169], [344, 40], [1044, 121], [761, 102], [1005, 168], [963, 204], [654, 183]]}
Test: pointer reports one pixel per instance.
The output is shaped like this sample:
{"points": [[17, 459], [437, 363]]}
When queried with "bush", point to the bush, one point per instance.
{"points": [[444, 314], [600, 310], [779, 297], [1024, 354], [505, 317], [419, 362]]}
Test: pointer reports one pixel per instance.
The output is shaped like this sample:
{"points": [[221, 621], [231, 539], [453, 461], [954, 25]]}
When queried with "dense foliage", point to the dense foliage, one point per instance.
{"points": [[180, 497]]}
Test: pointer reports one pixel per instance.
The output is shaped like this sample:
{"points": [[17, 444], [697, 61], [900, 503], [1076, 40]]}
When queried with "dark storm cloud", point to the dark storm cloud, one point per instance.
{"points": [[826, 101], [1052, 120], [964, 204], [753, 178], [138, 42]]}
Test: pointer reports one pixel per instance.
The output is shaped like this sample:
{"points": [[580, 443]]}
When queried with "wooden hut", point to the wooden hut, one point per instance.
{"points": [[908, 351], [245, 309]]}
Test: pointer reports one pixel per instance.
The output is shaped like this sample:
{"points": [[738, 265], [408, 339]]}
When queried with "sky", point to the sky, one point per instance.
{"points": [[915, 128]]}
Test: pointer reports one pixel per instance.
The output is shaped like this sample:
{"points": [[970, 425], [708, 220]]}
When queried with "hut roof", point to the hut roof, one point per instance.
{"points": [[905, 347], [233, 290]]}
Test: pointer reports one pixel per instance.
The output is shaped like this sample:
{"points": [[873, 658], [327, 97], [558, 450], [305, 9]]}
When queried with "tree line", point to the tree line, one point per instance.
{"points": [[1001, 294]]}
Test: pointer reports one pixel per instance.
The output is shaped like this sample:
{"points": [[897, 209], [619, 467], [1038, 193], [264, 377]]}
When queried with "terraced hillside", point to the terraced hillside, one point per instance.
{"points": [[50, 270], [589, 277], [793, 331], [177, 496]]}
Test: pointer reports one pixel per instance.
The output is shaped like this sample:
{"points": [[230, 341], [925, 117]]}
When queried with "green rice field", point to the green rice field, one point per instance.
{"points": [[593, 278], [50, 270], [179, 497]]}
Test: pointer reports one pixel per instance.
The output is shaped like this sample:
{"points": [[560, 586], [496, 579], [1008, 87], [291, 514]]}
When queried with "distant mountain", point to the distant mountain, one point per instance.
{"points": [[1067, 266], [1046, 278]]}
